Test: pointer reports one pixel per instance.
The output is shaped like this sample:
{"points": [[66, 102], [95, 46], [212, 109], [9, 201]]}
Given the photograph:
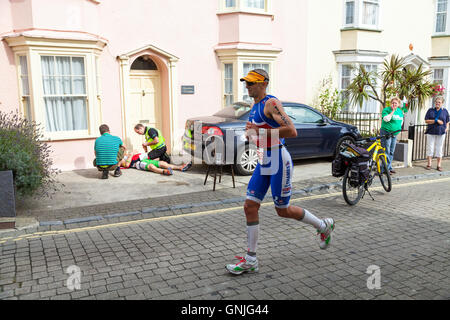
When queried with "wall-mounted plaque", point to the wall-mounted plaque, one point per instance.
{"points": [[187, 89]]}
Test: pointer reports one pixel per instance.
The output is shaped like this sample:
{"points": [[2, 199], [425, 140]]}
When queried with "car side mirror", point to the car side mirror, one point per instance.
{"points": [[322, 122]]}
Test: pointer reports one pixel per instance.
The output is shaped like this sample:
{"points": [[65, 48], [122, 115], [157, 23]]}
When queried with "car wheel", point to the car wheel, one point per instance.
{"points": [[346, 139], [246, 161]]}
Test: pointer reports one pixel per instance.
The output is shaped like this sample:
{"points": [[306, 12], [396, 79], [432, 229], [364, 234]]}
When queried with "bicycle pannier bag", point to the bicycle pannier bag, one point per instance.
{"points": [[359, 171], [338, 166]]}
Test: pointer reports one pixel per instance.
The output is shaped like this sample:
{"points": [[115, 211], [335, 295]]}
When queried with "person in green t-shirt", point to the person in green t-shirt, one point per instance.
{"points": [[392, 120], [109, 150]]}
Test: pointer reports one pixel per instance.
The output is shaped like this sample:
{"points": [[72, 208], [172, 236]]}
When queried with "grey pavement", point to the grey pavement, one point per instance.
{"points": [[84, 188], [181, 255], [85, 199], [82, 194]]}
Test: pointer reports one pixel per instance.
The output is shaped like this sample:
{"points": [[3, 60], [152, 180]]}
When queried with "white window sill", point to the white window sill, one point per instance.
{"points": [[440, 35], [361, 28], [67, 136], [249, 11]]}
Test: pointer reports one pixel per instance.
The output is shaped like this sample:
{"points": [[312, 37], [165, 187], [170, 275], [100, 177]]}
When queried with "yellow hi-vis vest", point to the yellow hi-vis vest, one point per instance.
{"points": [[161, 140]]}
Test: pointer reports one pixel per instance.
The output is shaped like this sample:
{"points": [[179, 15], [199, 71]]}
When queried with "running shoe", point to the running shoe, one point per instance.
{"points": [[167, 172], [187, 166], [325, 236], [242, 266]]}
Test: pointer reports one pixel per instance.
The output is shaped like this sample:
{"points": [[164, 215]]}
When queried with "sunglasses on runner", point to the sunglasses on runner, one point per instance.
{"points": [[249, 84]]}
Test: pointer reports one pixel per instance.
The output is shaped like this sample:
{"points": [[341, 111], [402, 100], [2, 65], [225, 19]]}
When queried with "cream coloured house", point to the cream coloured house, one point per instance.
{"points": [[352, 32]]}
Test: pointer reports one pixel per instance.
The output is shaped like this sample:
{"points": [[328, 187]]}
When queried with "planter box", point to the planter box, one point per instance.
{"points": [[7, 200], [403, 152]]}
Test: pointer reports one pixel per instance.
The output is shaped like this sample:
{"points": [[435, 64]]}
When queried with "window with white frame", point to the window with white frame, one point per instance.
{"points": [[370, 105], [438, 76], [64, 93], [236, 64], [441, 16], [370, 12], [256, 6], [362, 13], [230, 3], [349, 12], [346, 77], [228, 84], [25, 87], [247, 68]]}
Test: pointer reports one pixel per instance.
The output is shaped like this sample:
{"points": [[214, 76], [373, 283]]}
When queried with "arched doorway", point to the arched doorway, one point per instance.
{"points": [[145, 99], [412, 62], [141, 68]]}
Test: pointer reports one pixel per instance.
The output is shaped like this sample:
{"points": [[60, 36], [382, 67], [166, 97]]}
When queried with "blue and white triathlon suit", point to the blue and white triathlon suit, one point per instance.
{"points": [[276, 169]]}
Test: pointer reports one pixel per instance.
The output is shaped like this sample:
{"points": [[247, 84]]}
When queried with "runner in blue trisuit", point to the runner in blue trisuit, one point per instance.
{"points": [[267, 127]]}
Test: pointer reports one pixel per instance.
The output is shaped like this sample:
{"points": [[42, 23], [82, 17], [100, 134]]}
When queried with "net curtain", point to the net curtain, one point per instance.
{"points": [[64, 93]]}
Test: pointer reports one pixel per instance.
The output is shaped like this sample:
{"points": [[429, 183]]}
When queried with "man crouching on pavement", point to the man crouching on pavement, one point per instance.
{"points": [[109, 151]]}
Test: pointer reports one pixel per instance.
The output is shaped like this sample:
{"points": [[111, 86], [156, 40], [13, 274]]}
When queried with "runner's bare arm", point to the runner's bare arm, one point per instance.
{"points": [[275, 111]]}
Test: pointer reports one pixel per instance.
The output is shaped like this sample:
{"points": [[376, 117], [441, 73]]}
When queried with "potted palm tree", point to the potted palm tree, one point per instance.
{"points": [[395, 78]]}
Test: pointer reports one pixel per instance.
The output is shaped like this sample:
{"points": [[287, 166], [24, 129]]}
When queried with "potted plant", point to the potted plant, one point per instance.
{"points": [[396, 79], [25, 163]]}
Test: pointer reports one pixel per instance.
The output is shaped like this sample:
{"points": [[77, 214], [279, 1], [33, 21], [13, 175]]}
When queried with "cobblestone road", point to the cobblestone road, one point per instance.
{"points": [[406, 233]]}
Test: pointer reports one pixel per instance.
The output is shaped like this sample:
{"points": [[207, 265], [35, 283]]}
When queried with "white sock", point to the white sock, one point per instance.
{"points": [[252, 239], [311, 219]]}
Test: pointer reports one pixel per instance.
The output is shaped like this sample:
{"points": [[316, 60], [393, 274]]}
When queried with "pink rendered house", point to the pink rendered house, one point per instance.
{"points": [[72, 65]]}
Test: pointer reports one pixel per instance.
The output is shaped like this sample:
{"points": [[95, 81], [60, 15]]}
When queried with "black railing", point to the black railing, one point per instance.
{"points": [[419, 151], [368, 123]]}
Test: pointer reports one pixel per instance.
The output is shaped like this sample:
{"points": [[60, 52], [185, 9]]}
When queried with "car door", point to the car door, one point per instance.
{"points": [[312, 132]]}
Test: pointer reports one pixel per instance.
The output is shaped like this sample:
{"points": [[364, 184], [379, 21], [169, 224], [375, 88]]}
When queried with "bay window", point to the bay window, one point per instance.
{"points": [[370, 12], [228, 84], [59, 84], [64, 93], [347, 74], [349, 12], [345, 80], [439, 76], [247, 68], [232, 71], [441, 16], [253, 6], [362, 14], [25, 87]]}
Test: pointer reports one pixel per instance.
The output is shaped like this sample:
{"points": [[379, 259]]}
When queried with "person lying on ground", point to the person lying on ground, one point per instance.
{"points": [[140, 161]]}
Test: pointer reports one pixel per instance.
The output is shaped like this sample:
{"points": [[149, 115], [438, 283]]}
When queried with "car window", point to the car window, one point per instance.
{"points": [[302, 115], [235, 111]]}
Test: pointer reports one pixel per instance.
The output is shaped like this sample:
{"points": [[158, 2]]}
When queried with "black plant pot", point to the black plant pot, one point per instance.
{"points": [[7, 195]]}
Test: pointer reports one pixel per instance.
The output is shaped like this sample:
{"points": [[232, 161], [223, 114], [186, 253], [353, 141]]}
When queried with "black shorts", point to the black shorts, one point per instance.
{"points": [[157, 153]]}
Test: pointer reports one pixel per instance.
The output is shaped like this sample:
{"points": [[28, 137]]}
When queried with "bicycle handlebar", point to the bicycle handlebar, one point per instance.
{"points": [[378, 137]]}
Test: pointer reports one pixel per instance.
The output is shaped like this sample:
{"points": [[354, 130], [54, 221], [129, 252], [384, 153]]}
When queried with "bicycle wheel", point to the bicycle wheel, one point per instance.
{"points": [[385, 176], [352, 195]]}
